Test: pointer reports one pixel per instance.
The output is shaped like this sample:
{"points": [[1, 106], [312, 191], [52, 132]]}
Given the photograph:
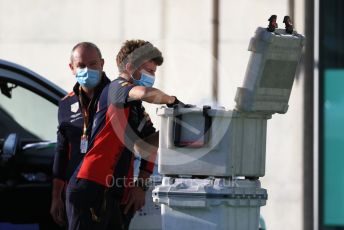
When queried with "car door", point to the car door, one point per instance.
{"points": [[28, 111]]}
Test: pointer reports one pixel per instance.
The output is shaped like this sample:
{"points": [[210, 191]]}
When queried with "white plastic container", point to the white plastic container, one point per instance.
{"points": [[212, 142], [270, 72], [210, 204]]}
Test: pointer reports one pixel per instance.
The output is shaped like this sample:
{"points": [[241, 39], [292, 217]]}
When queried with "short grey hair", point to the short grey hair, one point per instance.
{"points": [[86, 45]]}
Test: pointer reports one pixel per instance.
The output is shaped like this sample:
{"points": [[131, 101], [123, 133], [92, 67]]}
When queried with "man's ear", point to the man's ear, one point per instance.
{"points": [[102, 62], [71, 67], [129, 67]]}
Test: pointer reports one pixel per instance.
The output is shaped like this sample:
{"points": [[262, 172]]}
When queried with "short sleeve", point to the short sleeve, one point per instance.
{"points": [[119, 92]]}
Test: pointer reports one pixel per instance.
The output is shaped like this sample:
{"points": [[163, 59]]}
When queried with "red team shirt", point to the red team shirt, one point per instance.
{"points": [[118, 123]]}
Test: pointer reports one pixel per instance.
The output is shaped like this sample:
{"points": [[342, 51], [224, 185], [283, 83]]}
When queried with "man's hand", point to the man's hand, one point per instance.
{"points": [[175, 102], [152, 95], [136, 200], [57, 211]]}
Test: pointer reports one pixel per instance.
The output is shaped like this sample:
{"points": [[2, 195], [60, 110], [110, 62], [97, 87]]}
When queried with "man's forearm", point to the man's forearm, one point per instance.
{"points": [[58, 187], [156, 96], [144, 175], [150, 95]]}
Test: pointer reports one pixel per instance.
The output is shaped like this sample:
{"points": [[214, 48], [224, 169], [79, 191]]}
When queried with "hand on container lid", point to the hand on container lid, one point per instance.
{"points": [[176, 102]]}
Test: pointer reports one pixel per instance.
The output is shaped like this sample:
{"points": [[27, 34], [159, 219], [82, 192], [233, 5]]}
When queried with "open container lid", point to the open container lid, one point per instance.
{"points": [[270, 72]]}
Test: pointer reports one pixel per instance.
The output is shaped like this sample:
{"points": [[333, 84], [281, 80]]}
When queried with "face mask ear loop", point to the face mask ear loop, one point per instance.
{"points": [[132, 78]]}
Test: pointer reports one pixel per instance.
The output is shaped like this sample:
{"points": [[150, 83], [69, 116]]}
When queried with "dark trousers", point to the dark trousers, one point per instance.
{"points": [[90, 206]]}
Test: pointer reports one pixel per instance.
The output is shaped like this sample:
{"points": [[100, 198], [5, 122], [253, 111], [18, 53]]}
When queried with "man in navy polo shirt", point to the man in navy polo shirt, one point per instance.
{"points": [[75, 118]]}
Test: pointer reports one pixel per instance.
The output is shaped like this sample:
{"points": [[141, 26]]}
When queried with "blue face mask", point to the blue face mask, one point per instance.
{"points": [[145, 80], [88, 78]]}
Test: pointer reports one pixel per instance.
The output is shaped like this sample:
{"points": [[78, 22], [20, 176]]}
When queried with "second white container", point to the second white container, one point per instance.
{"points": [[207, 204]]}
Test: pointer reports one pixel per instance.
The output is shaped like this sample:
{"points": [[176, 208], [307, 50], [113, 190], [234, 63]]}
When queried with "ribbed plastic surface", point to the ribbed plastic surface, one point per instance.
{"points": [[210, 203]]}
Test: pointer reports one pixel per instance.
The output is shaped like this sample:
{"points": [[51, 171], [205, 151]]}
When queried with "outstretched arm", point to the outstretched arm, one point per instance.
{"points": [[150, 95]]}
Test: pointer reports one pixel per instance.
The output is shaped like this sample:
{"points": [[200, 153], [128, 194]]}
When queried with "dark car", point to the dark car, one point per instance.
{"points": [[28, 108]]}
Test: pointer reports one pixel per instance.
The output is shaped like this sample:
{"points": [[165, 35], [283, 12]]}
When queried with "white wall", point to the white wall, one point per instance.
{"points": [[283, 178], [39, 34]]}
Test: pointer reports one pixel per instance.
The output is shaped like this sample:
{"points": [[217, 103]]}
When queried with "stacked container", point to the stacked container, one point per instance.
{"points": [[212, 142], [203, 151]]}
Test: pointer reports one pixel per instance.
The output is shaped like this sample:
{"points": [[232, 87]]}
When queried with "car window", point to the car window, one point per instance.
{"points": [[26, 113]]}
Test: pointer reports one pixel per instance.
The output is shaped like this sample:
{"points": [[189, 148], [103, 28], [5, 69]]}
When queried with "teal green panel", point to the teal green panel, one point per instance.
{"points": [[334, 147]]}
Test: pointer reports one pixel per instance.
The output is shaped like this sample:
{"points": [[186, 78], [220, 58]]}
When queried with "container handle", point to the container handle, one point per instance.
{"points": [[177, 129]]}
